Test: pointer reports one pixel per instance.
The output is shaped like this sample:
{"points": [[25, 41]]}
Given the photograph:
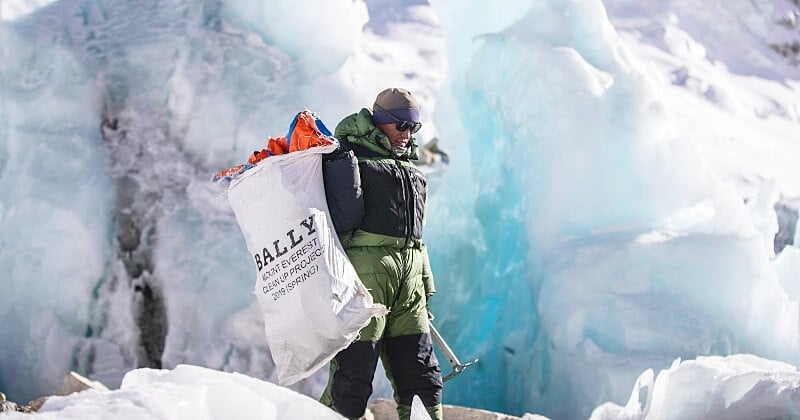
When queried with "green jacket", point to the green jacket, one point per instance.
{"points": [[394, 191]]}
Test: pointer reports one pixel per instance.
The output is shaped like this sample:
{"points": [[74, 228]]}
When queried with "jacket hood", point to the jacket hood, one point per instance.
{"points": [[359, 129]]}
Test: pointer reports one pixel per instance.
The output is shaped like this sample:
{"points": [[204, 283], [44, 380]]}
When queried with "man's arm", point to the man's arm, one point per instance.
{"points": [[343, 189]]}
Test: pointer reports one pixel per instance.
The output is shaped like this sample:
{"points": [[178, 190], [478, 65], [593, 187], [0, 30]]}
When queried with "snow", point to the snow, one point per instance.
{"points": [[608, 207], [713, 387], [185, 392]]}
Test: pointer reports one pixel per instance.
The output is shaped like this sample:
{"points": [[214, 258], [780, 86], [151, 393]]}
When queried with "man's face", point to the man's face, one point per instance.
{"points": [[396, 137]]}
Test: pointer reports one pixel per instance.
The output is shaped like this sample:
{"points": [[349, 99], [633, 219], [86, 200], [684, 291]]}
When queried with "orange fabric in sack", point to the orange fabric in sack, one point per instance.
{"points": [[304, 133], [275, 146], [228, 173]]}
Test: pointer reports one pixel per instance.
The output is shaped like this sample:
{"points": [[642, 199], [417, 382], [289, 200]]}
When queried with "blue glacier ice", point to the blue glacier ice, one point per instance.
{"points": [[599, 243], [577, 239]]}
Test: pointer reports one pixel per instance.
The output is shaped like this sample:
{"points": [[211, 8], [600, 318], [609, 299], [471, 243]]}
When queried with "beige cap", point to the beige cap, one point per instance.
{"points": [[393, 105], [393, 99]]}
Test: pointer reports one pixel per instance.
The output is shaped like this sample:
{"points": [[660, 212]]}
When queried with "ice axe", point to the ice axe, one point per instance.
{"points": [[457, 366]]}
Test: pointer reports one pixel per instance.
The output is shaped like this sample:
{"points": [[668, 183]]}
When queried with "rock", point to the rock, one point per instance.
{"points": [[7, 406], [431, 154], [74, 382], [787, 212], [36, 404], [10, 406], [384, 409]]}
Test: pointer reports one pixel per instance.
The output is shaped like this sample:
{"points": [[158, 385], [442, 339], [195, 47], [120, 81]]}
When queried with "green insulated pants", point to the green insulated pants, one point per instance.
{"points": [[400, 339]]}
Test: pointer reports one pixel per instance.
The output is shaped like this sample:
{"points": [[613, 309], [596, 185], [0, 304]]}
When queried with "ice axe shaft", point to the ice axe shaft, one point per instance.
{"points": [[457, 366]]}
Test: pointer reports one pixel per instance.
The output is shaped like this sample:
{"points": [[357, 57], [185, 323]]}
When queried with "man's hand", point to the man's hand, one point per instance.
{"points": [[428, 307]]}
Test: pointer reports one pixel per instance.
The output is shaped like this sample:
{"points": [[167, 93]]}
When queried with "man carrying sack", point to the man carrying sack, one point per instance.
{"points": [[377, 201]]}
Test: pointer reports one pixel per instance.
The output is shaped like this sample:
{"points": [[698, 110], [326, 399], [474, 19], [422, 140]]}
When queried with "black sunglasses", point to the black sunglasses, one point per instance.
{"points": [[408, 125], [403, 125]]}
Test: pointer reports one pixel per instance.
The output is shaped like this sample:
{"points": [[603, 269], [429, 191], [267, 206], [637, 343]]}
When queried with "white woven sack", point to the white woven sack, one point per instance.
{"points": [[312, 299]]}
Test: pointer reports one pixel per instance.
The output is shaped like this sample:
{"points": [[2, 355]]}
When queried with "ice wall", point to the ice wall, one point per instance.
{"points": [[598, 243], [55, 209], [116, 250]]}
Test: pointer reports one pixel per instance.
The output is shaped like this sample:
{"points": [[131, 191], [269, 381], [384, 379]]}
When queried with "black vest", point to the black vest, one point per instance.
{"points": [[392, 199]]}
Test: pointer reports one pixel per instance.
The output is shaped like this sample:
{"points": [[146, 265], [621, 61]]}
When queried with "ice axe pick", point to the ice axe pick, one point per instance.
{"points": [[457, 366]]}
